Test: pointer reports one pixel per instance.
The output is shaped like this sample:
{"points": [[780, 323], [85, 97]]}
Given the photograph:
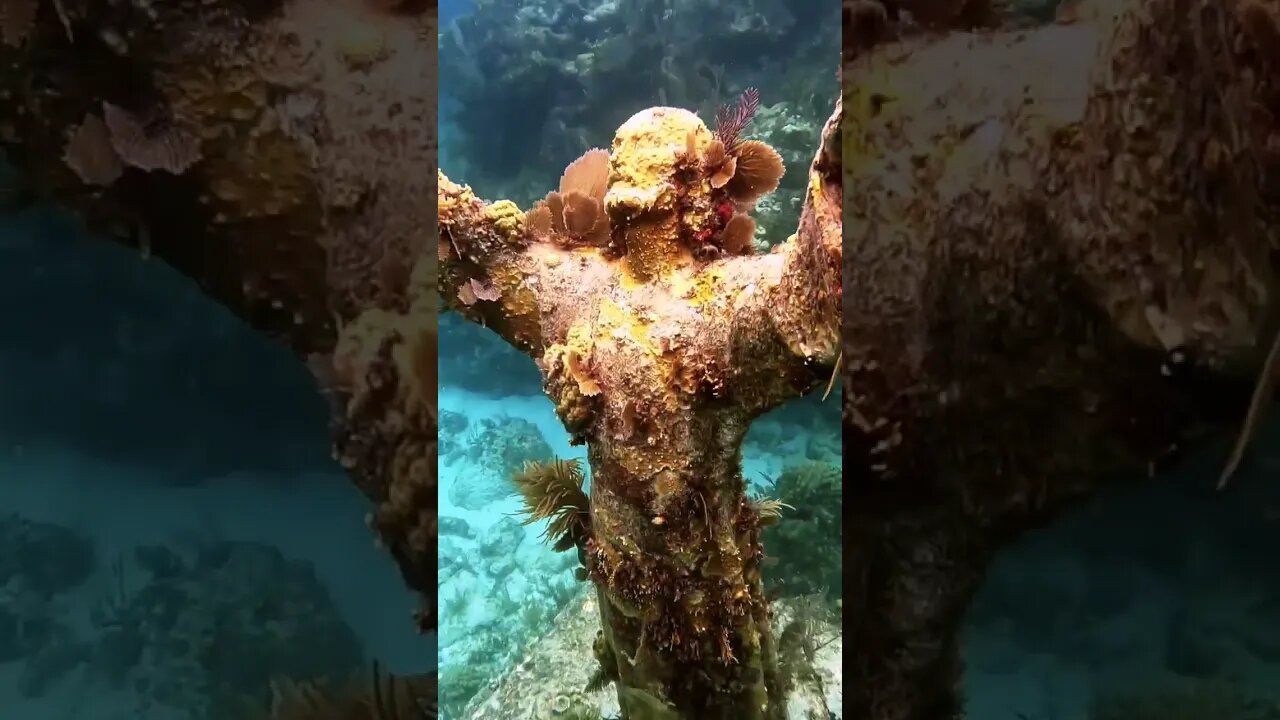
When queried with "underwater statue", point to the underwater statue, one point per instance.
{"points": [[660, 336], [1060, 267]]}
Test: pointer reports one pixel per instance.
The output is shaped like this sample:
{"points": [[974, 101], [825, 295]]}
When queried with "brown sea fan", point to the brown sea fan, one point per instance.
{"points": [[588, 175], [150, 145], [484, 290], [719, 165], [474, 290], [576, 210], [758, 172], [581, 212], [737, 235], [89, 153], [539, 221]]}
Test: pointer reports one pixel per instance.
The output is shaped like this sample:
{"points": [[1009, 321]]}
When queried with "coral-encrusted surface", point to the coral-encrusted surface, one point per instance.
{"points": [[282, 155], [1036, 219], [658, 347]]}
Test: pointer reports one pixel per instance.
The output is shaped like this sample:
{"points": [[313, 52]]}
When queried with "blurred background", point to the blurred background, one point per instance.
{"points": [[173, 534]]}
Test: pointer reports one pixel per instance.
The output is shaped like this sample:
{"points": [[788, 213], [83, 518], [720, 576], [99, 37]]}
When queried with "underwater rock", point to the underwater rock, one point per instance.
{"points": [[823, 447], [497, 547], [767, 435], [207, 638], [498, 447], [505, 444], [49, 558], [39, 562], [61, 653], [456, 527], [1183, 700], [477, 491], [456, 556], [28, 621], [452, 423]]}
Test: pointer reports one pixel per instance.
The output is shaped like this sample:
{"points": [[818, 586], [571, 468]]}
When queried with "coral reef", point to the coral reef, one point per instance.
{"points": [[1188, 701], [281, 155], [204, 635], [810, 494], [1033, 230], [790, 132], [39, 564], [198, 634], [374, 696], [497, 447], [574, 72], [499, 590], [659, 342]]}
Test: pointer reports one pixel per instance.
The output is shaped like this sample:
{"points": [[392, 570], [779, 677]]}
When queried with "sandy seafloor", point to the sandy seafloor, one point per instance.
{"points": [[532, 557]]}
